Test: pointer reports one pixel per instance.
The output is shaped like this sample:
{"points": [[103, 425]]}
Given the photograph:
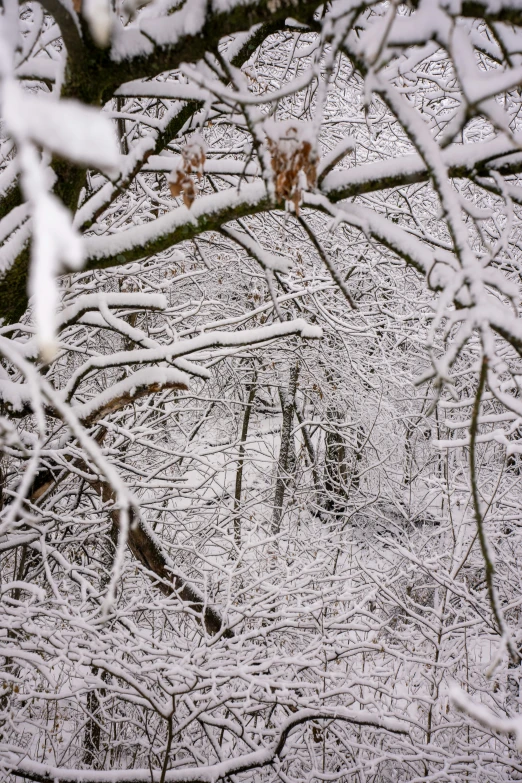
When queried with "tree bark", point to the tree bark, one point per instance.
{"points": [[285, 449], [251, 393]]}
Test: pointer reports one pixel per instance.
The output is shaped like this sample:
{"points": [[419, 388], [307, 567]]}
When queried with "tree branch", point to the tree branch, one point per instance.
{"points": [[211, 774]]}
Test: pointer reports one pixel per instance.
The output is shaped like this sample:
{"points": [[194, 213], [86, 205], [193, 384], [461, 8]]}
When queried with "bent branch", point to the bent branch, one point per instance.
{"points": [[255, 760]]}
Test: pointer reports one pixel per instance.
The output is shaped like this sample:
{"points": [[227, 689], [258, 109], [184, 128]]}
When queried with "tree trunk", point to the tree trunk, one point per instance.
{"points": [[285, 450], [251, 393]]}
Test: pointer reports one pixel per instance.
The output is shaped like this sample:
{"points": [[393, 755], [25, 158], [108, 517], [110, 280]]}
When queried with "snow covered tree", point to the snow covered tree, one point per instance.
{"points": [[260, 410]]}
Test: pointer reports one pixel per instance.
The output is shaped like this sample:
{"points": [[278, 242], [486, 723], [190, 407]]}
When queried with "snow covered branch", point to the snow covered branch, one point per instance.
{"points": [[255, 760]]}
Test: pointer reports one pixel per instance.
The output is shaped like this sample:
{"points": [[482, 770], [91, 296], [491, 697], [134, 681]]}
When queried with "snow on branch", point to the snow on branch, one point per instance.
{"points": [[123, 393], [194, 345], [485, 717], [65, 127], [254, 760], [88, 302]]}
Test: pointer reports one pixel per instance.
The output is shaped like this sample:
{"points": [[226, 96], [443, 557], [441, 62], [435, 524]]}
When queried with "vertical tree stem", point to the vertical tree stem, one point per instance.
{"points": [[284, 451], [251, 388], [484, 546]]}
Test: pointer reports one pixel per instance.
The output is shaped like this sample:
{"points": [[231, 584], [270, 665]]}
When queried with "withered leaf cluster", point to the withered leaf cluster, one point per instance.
{"points": [[292, 157], [180, 179]]}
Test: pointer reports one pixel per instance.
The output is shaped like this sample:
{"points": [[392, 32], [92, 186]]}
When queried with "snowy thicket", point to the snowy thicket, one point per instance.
{"points": [[260, 391]]}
